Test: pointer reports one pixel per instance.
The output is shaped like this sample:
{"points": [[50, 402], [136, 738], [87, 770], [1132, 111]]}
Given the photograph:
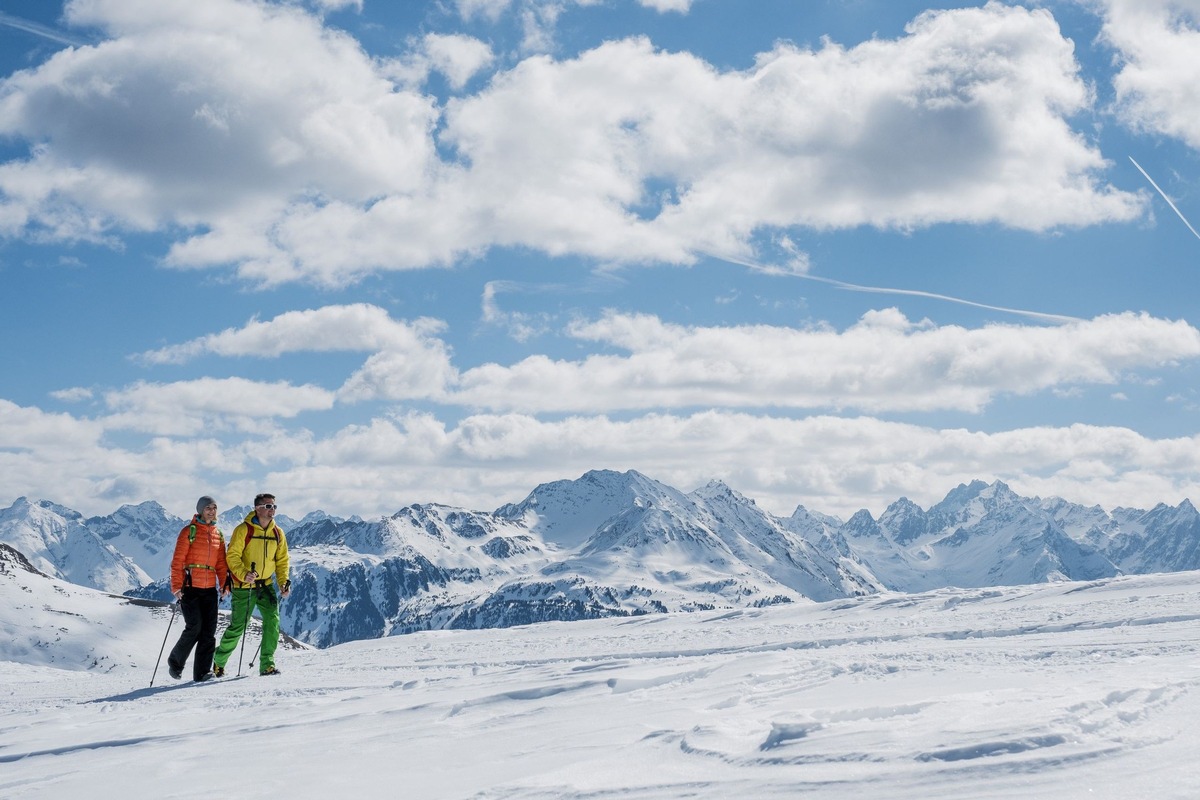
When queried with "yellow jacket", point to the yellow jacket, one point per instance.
{"points": [[265, 549]]}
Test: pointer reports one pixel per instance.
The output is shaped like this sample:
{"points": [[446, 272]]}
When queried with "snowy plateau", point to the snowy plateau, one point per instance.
{"points": [[992, 646]]}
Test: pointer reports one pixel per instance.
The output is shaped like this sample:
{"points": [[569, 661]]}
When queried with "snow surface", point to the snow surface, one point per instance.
{"points": [[1066, 690]]}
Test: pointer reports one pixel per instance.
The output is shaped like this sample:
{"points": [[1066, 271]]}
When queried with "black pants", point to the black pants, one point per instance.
{"points": [[199, 607]]}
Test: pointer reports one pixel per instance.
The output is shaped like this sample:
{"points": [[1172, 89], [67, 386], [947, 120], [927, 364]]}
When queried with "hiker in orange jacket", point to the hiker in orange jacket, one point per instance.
{"points": [[257, 553], [198, 573]]}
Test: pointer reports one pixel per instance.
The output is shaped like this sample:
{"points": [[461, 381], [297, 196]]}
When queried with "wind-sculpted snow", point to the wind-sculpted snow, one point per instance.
{"points": [[1069, 690]]}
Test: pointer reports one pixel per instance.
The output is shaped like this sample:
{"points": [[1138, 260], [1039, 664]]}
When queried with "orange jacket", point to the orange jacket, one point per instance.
{"points": [[203, 556]]}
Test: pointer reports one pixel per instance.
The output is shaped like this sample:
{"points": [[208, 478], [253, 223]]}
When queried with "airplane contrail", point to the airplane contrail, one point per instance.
{"points": [[37, 29], [854, 287], [1164, 197]]}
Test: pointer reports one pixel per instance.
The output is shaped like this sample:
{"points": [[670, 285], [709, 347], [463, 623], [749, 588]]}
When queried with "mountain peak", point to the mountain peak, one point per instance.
{"points": [[568, 512], [717, 489]]}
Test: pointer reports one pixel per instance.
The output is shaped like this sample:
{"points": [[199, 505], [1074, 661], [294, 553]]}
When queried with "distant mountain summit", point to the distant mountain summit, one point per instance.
{"points": [[619, 544], [567, 513], [145, 533], [56, 541], [979, 535]]}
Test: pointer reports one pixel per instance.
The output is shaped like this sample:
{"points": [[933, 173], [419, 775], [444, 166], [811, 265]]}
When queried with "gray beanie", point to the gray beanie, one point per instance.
{"points": [[203, 503]]}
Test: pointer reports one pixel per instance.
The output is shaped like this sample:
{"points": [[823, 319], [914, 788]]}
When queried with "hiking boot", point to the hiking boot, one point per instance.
{"points": [[218, 671], [175, 672], [208, 676], [270, 671]]}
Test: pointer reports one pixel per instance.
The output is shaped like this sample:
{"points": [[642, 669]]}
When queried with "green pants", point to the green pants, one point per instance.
{"points": [[244, 603]]}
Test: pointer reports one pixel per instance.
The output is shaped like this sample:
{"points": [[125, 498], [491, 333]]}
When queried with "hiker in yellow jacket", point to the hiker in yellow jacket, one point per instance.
{"points": [[257, 552]]}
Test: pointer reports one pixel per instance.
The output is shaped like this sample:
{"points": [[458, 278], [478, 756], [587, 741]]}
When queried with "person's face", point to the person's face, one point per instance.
{"points": [[265, 510], [209, 514]]}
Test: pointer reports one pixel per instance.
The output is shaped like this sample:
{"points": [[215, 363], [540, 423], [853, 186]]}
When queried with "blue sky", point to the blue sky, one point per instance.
{"points": [[364, 254]]}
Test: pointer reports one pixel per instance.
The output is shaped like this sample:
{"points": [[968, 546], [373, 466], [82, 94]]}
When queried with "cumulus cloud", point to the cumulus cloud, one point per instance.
{"points": [[196, 115], [196, 407], [1158, 84], [58, 456], [355, 327], [832, 465], [828, 464], [408, 360], [885, 362], [458, 57], [277, 145]]}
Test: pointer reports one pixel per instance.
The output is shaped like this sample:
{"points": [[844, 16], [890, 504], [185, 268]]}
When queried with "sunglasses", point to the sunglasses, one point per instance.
{"points": [[269, 506]]}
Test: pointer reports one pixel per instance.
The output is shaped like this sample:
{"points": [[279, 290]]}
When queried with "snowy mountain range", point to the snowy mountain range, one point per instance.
{"points": [[622, 544]]}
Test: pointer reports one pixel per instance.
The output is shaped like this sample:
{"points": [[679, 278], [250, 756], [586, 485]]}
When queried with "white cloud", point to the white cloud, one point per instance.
{"points": [[31, 429], [65, 458], [338, 5], [356, 327], [490, 10], [209, 405], [663, 6], [280, 147], [832, 465], [196, 114], [410, 375], [75, 394], [883, 363], [459, 58], [828, 464], [1158, 85], [408, 361]]}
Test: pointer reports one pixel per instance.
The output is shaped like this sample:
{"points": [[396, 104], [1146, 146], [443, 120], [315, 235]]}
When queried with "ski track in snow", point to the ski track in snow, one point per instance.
{"points": [[1061, 690]]}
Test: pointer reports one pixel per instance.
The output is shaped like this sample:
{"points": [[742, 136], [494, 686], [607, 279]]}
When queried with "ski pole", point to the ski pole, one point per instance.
{"points": [[249, 611], [256, 649], [174, 608]]}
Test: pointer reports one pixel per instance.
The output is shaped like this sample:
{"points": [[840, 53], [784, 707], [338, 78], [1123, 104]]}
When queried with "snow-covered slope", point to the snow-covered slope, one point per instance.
{"points": [[51, 622], [1070, 690]]}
